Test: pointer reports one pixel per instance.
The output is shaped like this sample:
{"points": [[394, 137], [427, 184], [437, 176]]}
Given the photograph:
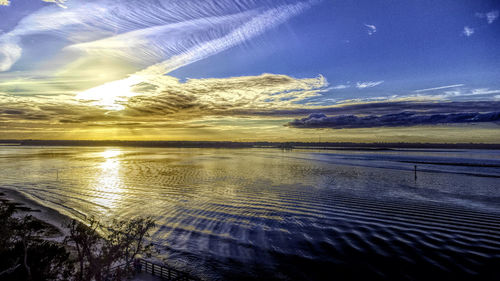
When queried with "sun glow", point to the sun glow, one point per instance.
{"points": [[111, 95], [110, 153]]}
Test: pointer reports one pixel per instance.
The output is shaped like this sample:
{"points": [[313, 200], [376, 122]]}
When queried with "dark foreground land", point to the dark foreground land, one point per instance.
{"points": [[33, 247]]}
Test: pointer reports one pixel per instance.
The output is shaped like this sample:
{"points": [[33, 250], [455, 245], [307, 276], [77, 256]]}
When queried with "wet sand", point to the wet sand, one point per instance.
{"points": [[27, 206]]}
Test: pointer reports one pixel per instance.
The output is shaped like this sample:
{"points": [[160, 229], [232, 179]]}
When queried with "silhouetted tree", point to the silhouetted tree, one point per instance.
{"points": [[108, 251], [24, 254], [102, 252]]}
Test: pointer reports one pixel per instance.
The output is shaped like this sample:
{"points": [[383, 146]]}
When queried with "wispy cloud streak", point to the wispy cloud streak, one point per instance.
{"points": [[119, 23], [439, 88], [368, 84], [250, 28], [254, 27], [60, 3]]}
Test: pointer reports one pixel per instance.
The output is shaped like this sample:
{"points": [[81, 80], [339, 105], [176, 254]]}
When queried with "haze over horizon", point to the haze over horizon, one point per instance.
{"points": [[250, 70]]}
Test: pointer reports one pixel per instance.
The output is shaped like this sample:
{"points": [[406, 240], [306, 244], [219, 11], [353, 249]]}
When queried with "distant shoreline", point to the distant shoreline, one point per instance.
{"points": [[230, 144]]}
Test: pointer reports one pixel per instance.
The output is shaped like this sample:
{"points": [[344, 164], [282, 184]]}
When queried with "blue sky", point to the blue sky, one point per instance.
{"points": [[228, 69], [417, 45]]}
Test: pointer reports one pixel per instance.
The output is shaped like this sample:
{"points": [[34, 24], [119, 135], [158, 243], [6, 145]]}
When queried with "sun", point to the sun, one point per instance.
{"points": [[111, 95]]}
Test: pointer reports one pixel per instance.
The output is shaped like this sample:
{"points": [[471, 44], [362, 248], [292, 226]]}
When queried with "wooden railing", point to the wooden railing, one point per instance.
{"points": [[165, 272], [162, 271]]}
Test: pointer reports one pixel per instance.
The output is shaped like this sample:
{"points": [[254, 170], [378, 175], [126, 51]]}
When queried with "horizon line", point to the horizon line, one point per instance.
{"points": [[242, 142]]}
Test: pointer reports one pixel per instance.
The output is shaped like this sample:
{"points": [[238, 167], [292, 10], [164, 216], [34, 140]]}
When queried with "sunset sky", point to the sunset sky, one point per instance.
{"points": [[246, 70]]}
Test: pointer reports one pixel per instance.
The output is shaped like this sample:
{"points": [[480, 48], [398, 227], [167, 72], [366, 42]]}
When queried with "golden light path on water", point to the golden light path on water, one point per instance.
{"points": [[108, 184], [220, 210]]}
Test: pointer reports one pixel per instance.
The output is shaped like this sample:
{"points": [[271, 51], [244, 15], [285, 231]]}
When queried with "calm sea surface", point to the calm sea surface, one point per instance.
{"points": [[236, 214]]}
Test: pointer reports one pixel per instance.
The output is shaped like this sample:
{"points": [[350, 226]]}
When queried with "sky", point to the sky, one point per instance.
{"points": [[250, 70]]}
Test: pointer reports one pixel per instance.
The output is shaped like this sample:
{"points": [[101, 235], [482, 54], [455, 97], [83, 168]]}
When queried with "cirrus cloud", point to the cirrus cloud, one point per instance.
{"points": [[368, 84], [179, 32], [60, 3]]}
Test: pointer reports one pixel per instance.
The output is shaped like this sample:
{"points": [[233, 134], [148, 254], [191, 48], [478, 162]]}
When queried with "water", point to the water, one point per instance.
{"points": [[243, 214]]}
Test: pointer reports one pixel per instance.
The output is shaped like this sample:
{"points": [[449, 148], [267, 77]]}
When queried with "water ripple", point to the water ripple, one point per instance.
{"points": [[263, 214]]}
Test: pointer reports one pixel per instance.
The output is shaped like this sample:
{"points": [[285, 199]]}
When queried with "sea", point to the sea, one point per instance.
{"points": [[271, 214]]}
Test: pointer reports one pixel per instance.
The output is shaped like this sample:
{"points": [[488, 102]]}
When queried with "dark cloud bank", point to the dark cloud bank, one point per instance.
{"points": [[403, 119]]}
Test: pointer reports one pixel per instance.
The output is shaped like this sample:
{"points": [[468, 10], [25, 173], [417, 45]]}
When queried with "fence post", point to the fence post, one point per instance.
{"points": [[179, 275]]}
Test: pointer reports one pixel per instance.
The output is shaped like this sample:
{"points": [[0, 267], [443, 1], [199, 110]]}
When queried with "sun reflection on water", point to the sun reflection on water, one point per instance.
{"points": [[108, 185], [110, 153]]}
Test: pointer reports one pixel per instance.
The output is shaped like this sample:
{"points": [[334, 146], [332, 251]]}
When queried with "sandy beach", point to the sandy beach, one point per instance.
{"points": [[54, 219], [27, 206]]}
